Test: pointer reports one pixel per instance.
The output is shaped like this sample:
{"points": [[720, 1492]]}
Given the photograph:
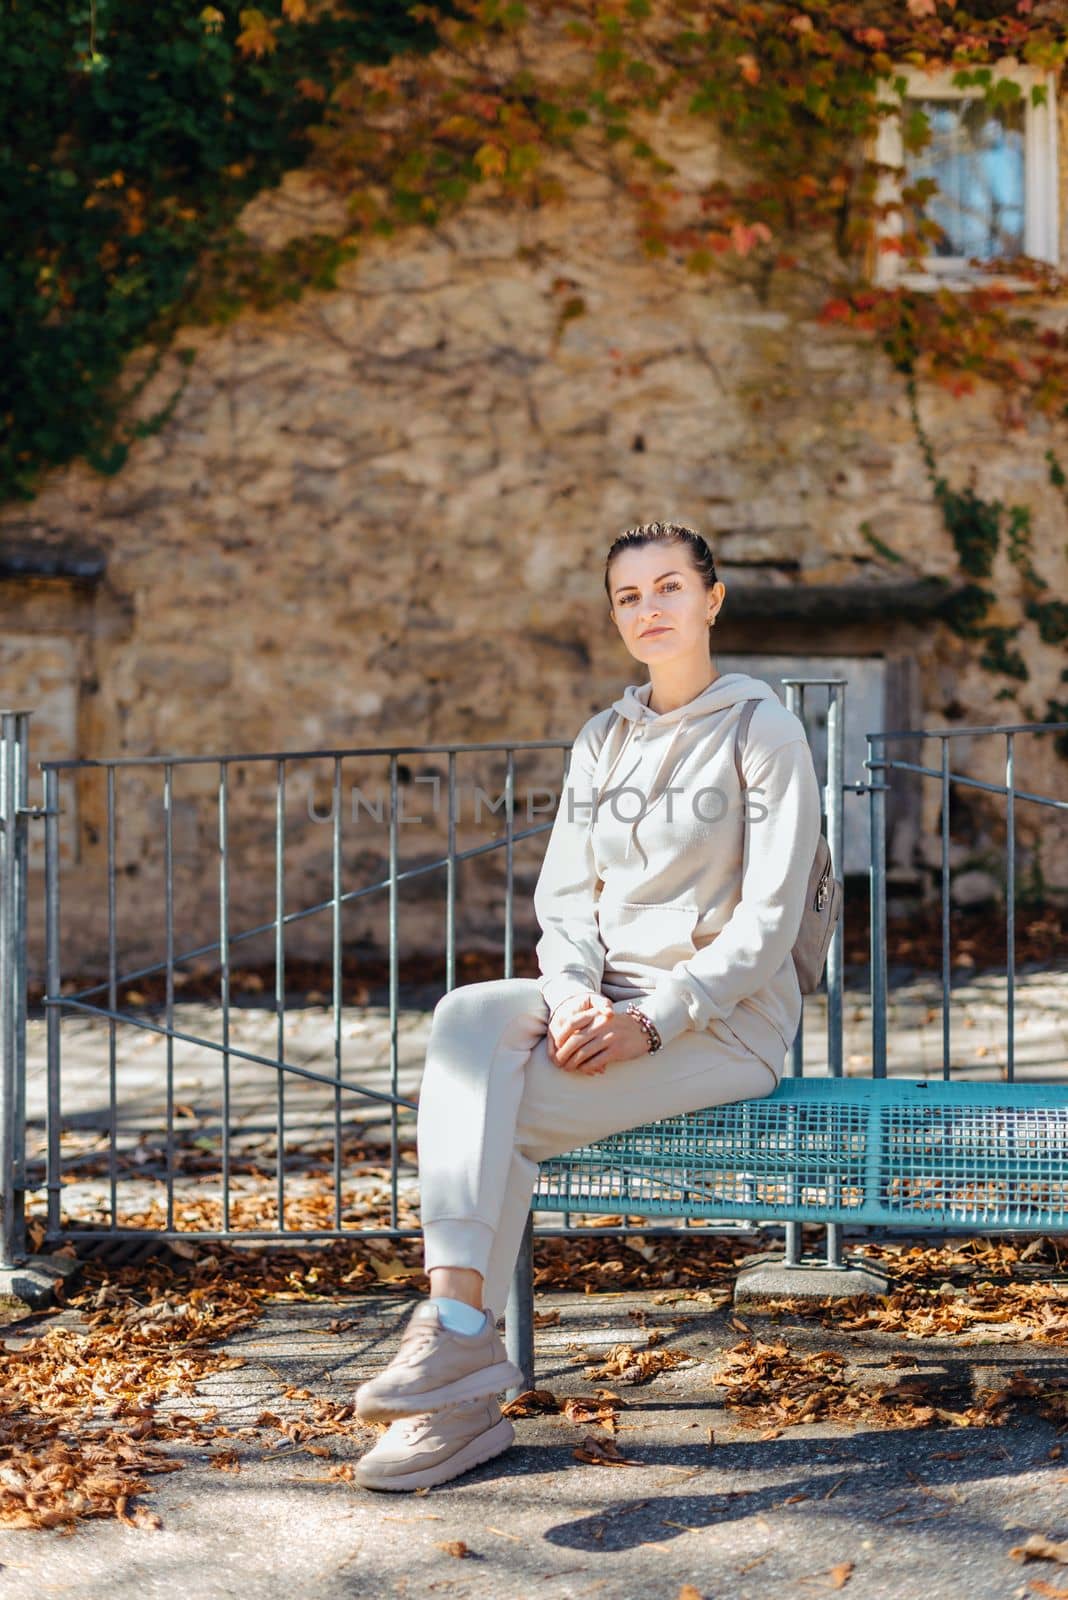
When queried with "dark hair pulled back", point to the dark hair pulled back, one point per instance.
{"points": [[662, 533]]}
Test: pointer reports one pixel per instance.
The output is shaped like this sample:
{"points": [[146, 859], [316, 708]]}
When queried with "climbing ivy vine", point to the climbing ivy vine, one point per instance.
{"points": [[131, 136], [976, 527]]}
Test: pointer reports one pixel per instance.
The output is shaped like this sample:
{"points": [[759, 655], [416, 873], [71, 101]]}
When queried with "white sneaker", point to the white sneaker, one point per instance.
{"points": [[418, 1452], [436, 1367]]}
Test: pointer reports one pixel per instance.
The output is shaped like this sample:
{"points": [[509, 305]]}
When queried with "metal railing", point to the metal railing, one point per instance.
{"points": [[100, 1000], [88, 1000], [14, 820], [879, 761]]}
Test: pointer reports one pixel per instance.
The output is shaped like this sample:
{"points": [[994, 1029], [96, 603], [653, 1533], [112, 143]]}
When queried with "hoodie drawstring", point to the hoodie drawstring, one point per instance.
{"points": [[616, 759], [654, 797]]}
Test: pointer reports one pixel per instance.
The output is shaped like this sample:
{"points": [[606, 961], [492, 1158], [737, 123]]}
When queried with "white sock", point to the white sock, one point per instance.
{"points": [[458, 1317]]}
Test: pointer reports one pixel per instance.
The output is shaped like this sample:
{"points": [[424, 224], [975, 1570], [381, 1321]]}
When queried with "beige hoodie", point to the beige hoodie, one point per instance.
{"points": [[643, 891]]}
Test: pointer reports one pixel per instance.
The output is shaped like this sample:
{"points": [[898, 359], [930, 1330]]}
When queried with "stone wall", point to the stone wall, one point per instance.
{"points": [[379, 516]]}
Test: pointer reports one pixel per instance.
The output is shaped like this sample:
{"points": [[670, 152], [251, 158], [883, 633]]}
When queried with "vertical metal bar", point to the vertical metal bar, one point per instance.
{"points": [[21, 866], [113, 1115], [945, 907], [10, 1245], [1010, 907], [224, 981], [563, 791], [836, 715], [509, 862], [450, 882], [168, 913], [519, 1311], [335, 940], [877, 787], [836, 710], [53, 1019], [7, 989], [794, 1065], [280, 988], [394, 1154]]}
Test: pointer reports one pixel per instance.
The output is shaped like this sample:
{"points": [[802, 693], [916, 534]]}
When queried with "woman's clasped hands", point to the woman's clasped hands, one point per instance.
{"points": [[586, 1034]]}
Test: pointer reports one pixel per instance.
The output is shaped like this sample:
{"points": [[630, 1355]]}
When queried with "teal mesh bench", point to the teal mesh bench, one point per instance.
{"points": [[915, 1153], [911, 1153]]}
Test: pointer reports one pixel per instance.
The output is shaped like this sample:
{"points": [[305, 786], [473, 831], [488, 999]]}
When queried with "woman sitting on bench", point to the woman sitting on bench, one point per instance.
{"points": [[667, 929]]}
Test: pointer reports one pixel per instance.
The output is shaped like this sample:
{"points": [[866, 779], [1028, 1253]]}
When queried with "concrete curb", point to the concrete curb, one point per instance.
{"points": [[31, 1284], [769, 1277]]}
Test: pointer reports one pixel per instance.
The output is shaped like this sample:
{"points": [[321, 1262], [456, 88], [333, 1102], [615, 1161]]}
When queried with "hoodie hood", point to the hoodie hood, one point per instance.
{"points": [[637, 722]]}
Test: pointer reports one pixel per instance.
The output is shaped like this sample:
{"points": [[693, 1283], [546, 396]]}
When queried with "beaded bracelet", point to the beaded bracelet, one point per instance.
{"points": [[648, 1027]]}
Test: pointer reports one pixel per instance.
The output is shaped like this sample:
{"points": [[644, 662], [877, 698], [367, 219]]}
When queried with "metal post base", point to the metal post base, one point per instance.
{"points": [[772, 1277]]}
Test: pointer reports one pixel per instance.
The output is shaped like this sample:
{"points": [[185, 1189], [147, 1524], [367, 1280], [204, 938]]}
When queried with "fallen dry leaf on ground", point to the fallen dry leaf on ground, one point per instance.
{"points": [[1038, 1548], [584, 1409], [531, 1403], [775, 1385], [628, 1365], [602, 1453]]}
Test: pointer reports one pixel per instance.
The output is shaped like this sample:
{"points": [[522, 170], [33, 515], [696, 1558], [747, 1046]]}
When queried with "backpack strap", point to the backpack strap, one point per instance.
{"points": [[741, 729]]}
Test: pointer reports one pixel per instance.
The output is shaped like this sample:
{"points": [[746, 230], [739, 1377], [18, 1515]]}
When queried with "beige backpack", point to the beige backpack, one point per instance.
{"points": [[823, 896]]}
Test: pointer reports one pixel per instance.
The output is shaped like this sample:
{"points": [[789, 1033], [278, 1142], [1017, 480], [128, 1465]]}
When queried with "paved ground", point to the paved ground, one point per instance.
{"points": [[909, 1514], [928, 1514]]}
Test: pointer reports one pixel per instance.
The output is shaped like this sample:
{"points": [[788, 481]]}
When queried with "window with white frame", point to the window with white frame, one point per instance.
{"points": [[995, 166]]}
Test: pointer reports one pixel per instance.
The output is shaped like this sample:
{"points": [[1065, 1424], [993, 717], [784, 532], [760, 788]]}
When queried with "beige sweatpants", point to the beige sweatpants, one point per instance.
{"points": [[492, 1105]]}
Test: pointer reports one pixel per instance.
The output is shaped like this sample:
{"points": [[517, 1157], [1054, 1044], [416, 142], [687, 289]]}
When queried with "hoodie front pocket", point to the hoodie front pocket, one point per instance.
{"points": [[636, 933]]}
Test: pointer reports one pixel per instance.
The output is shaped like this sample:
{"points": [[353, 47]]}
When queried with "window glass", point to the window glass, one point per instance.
{"points": [[976, 156]]}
